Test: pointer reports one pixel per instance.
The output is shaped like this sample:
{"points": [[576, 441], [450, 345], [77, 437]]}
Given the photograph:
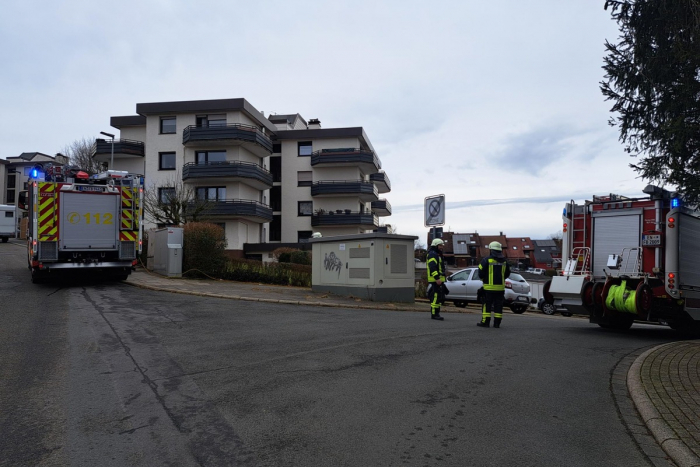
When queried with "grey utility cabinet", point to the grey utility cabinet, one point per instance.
{"points": [[373, 266], [167, 254]]}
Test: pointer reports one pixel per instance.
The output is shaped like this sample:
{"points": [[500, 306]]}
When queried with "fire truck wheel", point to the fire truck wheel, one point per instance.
{"points": [[622, 321], [643, 299], [4, 239], [587, 295], [597, 295], [37, 277]]}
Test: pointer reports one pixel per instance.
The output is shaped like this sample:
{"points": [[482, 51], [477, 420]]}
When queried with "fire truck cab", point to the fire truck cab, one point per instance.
{"points": [[630, 259]]}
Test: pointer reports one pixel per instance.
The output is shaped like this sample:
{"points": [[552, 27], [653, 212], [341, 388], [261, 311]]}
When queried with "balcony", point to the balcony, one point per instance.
{"points": [[347, 218], [123, 149], [365, 191], [233, 134], [229, 171], [366, 160], [381, 207], [382, 182], [253, 211]]}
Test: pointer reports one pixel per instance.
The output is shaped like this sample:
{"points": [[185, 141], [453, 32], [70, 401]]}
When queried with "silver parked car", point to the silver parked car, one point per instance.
{"points": [[464, 287]]}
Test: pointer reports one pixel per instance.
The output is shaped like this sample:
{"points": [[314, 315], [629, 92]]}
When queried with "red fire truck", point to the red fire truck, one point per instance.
{"points": [[630, 259], [84, 223]]}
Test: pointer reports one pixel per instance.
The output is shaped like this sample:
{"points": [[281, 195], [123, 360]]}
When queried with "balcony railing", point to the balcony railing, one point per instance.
{"points": [[382, 181], [381, 207], [122, 148], [248, 172], [232, 132], [344, 219], [346, 156], [249, 209], [363, 189]]}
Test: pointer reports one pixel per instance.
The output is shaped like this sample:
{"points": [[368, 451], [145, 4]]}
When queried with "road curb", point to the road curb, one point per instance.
{"points": [[664, 434]]}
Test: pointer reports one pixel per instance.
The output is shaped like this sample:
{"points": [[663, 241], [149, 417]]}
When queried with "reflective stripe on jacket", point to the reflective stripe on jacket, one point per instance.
{"points": [[436, 267], [493, 273]]}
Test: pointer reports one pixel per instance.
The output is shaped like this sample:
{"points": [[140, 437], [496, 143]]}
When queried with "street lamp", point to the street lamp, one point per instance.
{"points": [[111, 163]]}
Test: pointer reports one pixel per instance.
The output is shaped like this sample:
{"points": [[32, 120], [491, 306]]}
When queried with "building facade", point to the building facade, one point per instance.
{"points": [[269, 181]]}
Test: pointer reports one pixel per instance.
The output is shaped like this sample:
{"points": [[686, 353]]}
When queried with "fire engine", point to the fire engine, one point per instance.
{"points": [[630, 259], [85, 223]]}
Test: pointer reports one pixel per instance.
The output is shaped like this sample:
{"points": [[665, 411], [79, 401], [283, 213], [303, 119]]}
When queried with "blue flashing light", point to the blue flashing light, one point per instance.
{"points": [[564, 213], [675, 203], [35, 173]]}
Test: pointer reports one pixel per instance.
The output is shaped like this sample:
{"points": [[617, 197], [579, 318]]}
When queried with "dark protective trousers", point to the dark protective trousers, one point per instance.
{"points": [[493, 302], [436, 297]]}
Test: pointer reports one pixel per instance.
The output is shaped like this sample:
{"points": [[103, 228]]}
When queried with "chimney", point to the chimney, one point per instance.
{"points": [[314, 124]]}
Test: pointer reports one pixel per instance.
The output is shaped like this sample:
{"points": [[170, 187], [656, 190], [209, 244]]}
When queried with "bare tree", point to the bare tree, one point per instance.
{"points": [[174, 203], [557, 237], [80, 152]]}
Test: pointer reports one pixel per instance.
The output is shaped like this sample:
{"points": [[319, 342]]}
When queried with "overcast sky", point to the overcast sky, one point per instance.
{"points": [[496, 105]]}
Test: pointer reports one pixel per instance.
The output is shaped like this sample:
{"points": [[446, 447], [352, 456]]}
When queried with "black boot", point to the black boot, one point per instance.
{"points": [[437, 316], [484, 323], [497, 322]]}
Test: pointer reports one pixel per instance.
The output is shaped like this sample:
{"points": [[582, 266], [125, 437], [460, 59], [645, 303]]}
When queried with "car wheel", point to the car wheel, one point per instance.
{"points": [[548, 308], [566, 313], [518, 309], [460, 303]]}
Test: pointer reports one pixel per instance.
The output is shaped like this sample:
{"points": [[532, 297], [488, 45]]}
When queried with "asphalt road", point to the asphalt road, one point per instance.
{"points": [[107, 374]]}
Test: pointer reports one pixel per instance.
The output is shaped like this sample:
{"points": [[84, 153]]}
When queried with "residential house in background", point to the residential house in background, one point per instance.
{"points": [[467, 249], [272, 181]]}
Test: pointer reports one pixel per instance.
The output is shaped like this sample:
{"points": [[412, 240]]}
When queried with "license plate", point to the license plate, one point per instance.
{"points": [[97, 189], [521, 299]]}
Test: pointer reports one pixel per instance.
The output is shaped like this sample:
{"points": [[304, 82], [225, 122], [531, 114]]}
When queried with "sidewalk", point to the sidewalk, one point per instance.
{"points": [[663, 382]]}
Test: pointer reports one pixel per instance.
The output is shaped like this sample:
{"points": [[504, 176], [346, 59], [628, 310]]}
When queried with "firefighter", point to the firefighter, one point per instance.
{"points": [[493, 272], [436, 278]]}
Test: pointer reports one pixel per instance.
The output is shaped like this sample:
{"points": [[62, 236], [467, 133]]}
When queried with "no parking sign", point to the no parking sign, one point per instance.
{"points": [[435, 210]]}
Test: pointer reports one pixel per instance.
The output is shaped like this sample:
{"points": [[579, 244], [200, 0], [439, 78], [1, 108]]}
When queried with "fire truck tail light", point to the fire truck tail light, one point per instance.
{"points": [[671, 222], [671, 275]]}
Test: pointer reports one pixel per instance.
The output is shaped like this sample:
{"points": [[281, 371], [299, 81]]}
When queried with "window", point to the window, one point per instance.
{"points": [[166, 161], [515, 247], [304, 178], [276, 228], [11, 180], [10, 196], [211, 193], [276, 198], [277, 148], [167, 125], [208, 157], [276, 168], [204, 121], [303, 235], [166, 194], [223, 229], [305, 148], [9, 214], [306, 208]]}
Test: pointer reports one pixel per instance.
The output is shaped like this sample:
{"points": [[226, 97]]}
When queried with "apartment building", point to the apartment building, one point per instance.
{"points": [[271, 181]]}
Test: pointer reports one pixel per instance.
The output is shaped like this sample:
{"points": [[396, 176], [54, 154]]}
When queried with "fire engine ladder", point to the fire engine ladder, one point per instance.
{"points": [[578, 212], [628, 263], [578, 264]]}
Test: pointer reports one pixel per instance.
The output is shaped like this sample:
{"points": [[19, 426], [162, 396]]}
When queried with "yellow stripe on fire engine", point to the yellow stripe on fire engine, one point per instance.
{"points": [[127, 236], [127, 220], [46, 215], [127, 198]]}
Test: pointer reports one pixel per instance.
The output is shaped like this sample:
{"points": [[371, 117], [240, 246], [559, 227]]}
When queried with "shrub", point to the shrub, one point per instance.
{"points": [[283, 254], [203, 249], [246, 270], [300, 257]]}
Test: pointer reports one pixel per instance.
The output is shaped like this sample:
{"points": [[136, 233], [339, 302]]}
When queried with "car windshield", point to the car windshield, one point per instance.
{"points": [[516, 277]]}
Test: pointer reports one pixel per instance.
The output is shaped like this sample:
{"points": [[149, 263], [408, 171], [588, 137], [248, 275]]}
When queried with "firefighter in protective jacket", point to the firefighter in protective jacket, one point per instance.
{"points": [[436, 278], [493, 272]]}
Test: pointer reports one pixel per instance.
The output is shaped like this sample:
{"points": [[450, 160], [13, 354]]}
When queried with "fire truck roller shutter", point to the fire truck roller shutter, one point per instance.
{"points": [[689, 260], [89, 221], [612, 232]]}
